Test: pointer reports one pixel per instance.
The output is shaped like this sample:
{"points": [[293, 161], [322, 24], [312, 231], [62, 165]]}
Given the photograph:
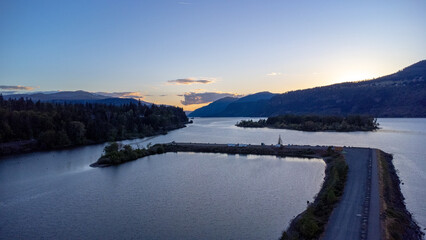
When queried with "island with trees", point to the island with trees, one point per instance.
{"points": [[314, 123], [27, 126]]}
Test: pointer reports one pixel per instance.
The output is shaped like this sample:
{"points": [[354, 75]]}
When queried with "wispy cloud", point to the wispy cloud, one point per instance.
{"points": [[153, 95], [135, 95], [184, 3], [17, 87], [206, 97], [187, 81], [274, 74]]}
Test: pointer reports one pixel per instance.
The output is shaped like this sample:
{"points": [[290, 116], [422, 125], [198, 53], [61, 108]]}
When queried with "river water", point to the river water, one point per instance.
{"points": [[186, 195]]}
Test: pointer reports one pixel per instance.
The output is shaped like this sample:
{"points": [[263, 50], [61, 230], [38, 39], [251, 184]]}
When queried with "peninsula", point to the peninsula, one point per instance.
{"points": [[359, 199], [28, 125]]}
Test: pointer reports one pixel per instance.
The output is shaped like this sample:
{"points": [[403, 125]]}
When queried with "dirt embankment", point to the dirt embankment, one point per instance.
{"points": [[396, 221]]}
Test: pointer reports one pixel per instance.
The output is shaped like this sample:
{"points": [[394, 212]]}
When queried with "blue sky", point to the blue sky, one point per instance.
{"points": [[161, 49]]}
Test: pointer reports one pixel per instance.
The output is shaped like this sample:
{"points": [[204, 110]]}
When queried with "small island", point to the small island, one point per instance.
{"points": [[315, 123]]}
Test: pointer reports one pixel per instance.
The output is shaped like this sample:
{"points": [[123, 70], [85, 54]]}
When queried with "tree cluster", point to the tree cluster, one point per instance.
{"points": [[315, 123], [116, 153], [55, 125]]}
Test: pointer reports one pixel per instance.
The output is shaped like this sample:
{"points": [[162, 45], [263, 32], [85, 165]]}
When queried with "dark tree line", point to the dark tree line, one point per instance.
{"points": [[54, 125]]}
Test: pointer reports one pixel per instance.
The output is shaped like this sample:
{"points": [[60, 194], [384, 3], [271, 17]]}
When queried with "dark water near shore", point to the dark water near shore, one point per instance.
{"points": [[179, 196]]}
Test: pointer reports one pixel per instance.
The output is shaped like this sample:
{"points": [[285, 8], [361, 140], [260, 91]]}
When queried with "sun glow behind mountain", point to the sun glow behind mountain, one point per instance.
{"points": [[356, 76]]}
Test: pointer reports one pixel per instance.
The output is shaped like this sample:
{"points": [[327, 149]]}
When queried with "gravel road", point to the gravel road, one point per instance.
{"points": [[357, 214]]}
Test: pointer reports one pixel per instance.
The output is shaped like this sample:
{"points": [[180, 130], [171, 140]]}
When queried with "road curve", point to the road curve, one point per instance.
{"points": [[357, 214]]}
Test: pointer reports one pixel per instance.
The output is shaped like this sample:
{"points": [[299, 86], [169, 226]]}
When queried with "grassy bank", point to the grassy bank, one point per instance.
{"points": [[311, 223], [396, 221]]}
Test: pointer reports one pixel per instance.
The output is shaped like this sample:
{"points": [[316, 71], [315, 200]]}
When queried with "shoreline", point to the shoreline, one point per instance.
{"points": [[332, 131], [30, 146], [300, 130], [282, 151]]}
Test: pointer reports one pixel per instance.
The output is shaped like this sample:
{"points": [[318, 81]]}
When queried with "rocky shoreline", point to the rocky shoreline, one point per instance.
{"points": [[396, 221]]}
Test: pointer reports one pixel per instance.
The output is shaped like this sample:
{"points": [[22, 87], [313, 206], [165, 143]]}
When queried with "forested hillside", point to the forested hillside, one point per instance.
{"points": [[44, 125]]}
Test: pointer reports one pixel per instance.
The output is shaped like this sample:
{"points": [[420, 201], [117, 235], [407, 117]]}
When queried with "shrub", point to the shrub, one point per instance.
{"points": [[308, 227]]}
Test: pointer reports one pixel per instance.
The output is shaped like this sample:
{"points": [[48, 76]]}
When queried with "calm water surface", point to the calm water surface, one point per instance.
{"points": [[179, 196], [405, 138]]}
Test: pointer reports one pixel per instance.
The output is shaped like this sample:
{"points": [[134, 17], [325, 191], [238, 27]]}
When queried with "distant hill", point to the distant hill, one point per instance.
{"points": [[63, 95], [256, 97], [217, 107], [75, 97], [402, 94], [214, 108]]}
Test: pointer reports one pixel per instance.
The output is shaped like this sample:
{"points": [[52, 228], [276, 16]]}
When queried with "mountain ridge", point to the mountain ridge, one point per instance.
{"points": [[401, 94], [78, 96]]}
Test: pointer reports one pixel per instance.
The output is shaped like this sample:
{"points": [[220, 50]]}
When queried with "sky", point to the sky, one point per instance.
{"points": [[191, 52]]}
